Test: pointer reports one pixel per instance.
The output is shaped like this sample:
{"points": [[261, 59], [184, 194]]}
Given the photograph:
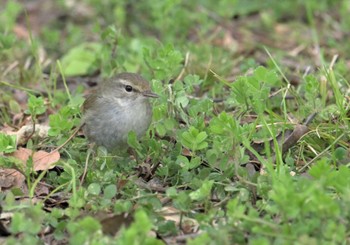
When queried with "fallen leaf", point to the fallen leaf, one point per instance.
{"points": [[171, 213], [42, 189], [186, 152], [6, 129], [45, 160], [21, 32], [121, 183], [112, 223], [42, 160], [11, 178], [22, 154]]}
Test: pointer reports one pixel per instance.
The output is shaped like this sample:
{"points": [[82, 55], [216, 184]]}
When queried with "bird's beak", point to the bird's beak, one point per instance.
{"points": [[150, 94]]}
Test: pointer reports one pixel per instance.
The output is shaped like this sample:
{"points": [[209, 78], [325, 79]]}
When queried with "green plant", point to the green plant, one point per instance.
{"points": [[236, 82]]}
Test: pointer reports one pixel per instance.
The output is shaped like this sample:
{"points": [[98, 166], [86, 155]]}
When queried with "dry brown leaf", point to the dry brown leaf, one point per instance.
{"points": [[112, 223], [171, 213], [121, 183], [282, 29], [21, 32], [22, 154], [45, 160], [42, 160], [189, 226], [6, 129], [42, 189], [11, 178], [186, 152]]}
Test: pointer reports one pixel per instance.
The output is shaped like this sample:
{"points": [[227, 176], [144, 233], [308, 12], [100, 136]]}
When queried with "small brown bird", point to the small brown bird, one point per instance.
{"points": [[118, 106]]}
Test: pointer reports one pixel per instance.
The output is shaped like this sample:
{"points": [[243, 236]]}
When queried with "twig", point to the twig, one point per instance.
{"points": [[334, 59], [10, 68], [321, 154], [85, 168], [65, 143], [155, 167], [294, 137], [187, 57], [309, 119]]}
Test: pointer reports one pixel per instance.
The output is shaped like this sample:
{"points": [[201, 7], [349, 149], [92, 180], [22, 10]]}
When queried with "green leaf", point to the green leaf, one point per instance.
{"points": [[27, 220], [192, 79], [182, 161], [203, 192], [161, 130], [201, 137], [61, 121], [253, 91], [263, 75], [321, 169], [182, 201], [9, 13], [7, 41], [194, 163], [7, 143], [122, 206], [110, 191], [83, 230], [340, 153], [171, 192], [89, 224], [36, 105], [138, 231], [182, 101], [81, 60], [165, 62], [21, 223], [133, 141], [193, 139], [94, 189]]}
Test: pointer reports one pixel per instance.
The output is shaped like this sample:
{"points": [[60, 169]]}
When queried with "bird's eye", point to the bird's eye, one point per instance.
{"points": [[128, 88]]}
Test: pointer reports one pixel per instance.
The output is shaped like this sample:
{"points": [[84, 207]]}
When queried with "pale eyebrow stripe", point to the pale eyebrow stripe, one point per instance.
{"points": [[126, 82]]}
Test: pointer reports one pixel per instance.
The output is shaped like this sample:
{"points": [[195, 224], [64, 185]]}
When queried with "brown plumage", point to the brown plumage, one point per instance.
{"points": [[119, 105]]}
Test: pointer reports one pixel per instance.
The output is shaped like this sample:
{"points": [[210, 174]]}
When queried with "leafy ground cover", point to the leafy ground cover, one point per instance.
{"points": [[249, 142]]}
